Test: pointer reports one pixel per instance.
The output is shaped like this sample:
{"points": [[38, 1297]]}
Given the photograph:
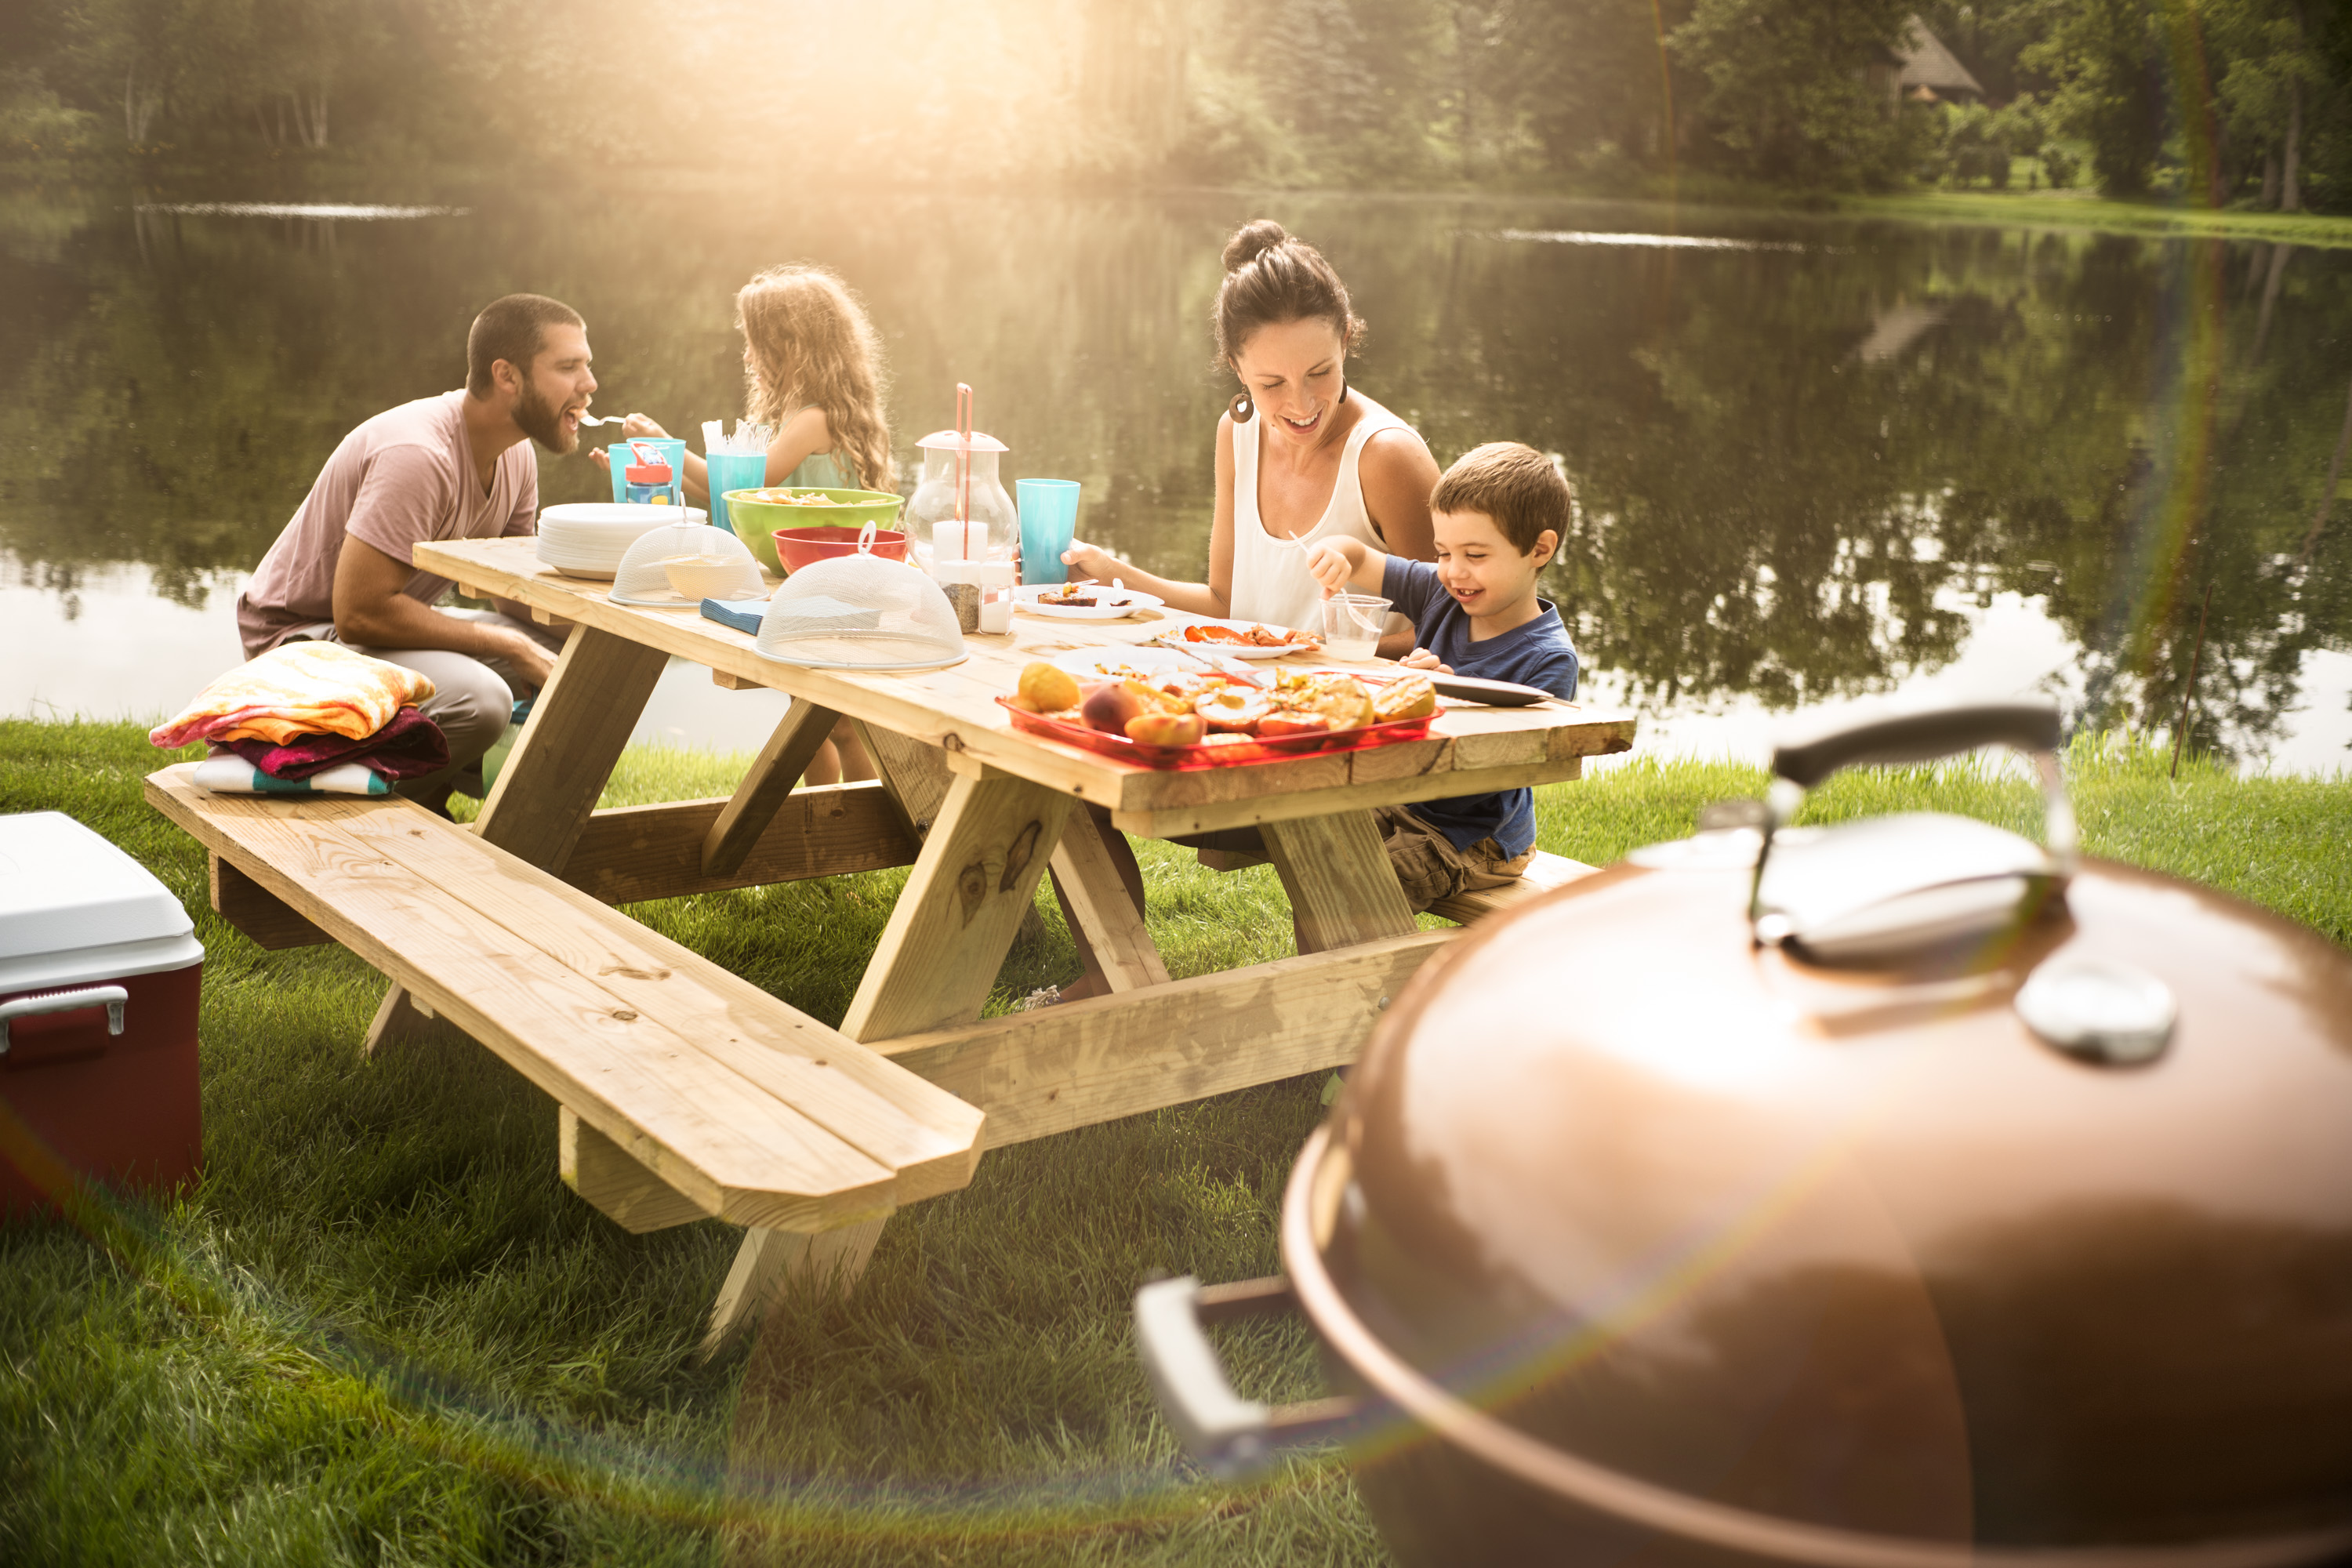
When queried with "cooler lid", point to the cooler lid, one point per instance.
{"points": [[63, 889]]}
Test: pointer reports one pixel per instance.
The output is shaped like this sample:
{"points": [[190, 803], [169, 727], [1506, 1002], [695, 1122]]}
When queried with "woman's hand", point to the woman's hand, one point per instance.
{"points": [[1085, 560], [1421, 658]]}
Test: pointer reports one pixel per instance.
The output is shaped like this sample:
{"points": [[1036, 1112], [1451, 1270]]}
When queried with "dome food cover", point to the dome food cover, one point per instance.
{"points": [[685, 564], [861, 612], [1784, 1197]]}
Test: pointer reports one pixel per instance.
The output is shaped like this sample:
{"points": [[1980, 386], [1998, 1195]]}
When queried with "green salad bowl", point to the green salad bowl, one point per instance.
{"points": [[757, 515]]}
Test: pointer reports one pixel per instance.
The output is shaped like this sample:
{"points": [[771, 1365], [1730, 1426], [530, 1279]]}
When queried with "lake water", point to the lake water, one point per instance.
{"points": [[1818, 462]]}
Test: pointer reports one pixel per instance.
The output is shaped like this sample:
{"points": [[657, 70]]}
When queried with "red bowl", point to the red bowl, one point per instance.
{"points": [[797, 547]]}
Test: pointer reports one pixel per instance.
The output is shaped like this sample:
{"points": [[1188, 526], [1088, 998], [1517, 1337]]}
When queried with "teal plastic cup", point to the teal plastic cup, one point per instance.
{"points": [[733, 471], [1049, 520], [673, 451]]}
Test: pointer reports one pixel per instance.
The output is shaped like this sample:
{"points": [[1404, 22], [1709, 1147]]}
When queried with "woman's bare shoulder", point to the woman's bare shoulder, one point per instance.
{"points": [[1396, 449]]}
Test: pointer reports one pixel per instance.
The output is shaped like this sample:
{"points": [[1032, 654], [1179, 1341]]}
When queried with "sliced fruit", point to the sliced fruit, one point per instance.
{"points": [[1166, 729], [1232, 708]]}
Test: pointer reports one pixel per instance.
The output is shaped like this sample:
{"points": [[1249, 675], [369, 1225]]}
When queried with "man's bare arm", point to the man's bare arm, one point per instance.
{"points": [[372, 611]]}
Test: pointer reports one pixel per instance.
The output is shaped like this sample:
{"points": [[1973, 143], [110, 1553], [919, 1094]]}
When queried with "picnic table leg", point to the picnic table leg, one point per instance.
{"points": [[1091, 869], [1342, 889], [576, 731], [938, 957], [915, 773], [766, 787]]}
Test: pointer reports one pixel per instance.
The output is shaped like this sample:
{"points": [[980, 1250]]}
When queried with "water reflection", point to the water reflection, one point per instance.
{"points": [[1808, 460]]}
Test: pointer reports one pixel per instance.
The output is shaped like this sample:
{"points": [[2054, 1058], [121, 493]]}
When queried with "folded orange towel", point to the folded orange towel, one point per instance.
{"points": [[296, 688]]}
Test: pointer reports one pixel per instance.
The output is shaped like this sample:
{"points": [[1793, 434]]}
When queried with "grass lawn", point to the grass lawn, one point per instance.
{"points": [[380, 1330], [2088, 209]]}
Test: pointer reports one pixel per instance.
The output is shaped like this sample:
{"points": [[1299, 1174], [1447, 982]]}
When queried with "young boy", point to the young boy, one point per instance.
{"points": [[1499, 515]]}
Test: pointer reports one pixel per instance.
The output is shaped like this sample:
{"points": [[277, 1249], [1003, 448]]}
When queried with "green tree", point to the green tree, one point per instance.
{"points": [[2105, 60], [1787, 98]]}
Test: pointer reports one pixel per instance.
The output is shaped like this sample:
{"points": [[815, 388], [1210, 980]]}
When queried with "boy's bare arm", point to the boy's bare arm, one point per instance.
{"points": [[1347, 565]]}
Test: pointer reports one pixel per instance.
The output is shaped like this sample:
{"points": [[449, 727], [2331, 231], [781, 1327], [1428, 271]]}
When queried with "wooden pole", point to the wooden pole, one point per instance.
{"points": [[2180, 735]]}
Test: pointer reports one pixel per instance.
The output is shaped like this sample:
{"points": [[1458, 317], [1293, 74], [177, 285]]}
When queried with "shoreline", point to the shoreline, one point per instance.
{"points": [[350, 178]]}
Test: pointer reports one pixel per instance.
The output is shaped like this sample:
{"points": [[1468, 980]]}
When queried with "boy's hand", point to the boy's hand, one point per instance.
{"points": [[1328, 564], [1421, 658]]}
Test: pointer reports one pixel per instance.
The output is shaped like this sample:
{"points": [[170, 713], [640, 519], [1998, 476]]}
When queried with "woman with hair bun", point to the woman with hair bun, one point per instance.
{"points": [[1302, 456]]}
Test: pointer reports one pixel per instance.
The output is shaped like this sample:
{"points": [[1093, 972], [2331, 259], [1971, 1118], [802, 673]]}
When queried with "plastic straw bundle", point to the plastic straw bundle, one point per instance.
{"points": [[748, 438]]}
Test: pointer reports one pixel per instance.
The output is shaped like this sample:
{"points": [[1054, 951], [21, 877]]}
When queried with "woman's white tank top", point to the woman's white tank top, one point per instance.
{"points": [[1270, 579]]}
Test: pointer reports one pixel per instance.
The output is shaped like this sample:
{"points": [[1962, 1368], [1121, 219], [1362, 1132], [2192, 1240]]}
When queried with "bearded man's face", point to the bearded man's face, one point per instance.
{"points": [[556, 390]]}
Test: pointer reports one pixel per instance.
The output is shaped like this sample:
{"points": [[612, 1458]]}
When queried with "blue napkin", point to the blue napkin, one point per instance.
{"points": [[726, 615]]}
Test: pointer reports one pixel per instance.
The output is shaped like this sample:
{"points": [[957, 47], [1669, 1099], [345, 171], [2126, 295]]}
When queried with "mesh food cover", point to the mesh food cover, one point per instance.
{"points": [[685, 564], [861, 612]]}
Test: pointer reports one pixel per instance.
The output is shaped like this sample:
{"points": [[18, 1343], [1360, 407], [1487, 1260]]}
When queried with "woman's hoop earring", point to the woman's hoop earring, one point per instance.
{"points": [[1242, 408]]}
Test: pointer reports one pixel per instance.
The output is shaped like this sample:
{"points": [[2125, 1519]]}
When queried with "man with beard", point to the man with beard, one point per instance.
{"points": [[451, 466]]}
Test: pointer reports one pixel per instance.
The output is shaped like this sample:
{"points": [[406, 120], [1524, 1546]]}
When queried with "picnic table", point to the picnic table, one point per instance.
{"points": [[981, 811]]}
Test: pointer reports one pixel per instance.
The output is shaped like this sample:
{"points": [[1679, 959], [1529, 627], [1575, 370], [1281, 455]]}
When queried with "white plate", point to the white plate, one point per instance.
{"points": [[1129, 601], [1099, 663], [603, 519], [1240, 649]]}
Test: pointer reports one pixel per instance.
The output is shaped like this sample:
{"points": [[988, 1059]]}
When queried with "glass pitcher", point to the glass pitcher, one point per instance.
{"points": [[994, 527]]}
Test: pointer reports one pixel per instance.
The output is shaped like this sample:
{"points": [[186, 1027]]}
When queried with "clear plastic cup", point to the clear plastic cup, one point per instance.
{"points": [[1352, 624], [1049, 520], [733, 471]]}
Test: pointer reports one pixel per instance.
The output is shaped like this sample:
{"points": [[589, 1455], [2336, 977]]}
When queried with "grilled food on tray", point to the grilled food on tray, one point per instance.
{"points": [[1184, 710]]}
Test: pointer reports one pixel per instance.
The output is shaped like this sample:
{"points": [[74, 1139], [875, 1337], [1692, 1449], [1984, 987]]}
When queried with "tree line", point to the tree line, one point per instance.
{"points": [[2221, 101]]}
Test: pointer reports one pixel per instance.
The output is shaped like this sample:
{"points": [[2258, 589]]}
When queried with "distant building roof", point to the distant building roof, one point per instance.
{"points": [[1927, 63]]}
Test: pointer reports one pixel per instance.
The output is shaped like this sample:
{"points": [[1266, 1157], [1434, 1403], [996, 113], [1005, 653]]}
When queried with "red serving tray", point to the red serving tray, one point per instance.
{"points": [[1234, 754]]}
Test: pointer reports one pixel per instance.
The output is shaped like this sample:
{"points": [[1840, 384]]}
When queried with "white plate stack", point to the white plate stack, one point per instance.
{"points": [[587, 539]]}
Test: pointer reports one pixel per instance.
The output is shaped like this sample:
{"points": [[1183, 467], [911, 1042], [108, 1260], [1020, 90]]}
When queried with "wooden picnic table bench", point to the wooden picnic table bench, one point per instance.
{"points": [[982, 811], [686, 1091]]}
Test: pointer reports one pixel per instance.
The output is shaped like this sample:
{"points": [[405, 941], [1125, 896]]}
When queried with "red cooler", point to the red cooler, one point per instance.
{"points": [[98, 971]]}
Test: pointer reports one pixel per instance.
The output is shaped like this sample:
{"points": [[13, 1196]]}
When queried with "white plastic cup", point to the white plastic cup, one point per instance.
{"points": [[1352, 623]]}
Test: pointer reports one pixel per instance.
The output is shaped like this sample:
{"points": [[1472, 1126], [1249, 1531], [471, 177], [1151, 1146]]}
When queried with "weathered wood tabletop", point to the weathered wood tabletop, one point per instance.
{"points": [[988, 806]]}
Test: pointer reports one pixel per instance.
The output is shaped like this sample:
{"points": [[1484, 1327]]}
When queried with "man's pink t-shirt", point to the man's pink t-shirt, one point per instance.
{"points": [[406, 476]]}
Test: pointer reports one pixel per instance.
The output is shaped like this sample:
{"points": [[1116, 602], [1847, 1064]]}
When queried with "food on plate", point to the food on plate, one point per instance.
{"points": [[1257, 635], [1080, 597], [1406, 697], [1161, 728], [1232, 708], [1048, 687]]}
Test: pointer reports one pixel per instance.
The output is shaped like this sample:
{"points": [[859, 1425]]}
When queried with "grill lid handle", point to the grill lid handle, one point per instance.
{"points": [[1894, 895], [1919, 738]]}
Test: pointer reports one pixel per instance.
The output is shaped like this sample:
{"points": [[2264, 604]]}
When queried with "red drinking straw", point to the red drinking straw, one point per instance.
{"points": [[963, 467]]}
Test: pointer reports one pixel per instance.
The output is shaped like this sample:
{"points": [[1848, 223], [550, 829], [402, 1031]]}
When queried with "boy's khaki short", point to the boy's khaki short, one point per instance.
{"points": [[1430, 869]]}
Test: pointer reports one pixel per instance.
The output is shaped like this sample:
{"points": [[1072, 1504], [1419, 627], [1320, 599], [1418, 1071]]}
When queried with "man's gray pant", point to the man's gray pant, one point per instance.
{"points": [[472, 701]]}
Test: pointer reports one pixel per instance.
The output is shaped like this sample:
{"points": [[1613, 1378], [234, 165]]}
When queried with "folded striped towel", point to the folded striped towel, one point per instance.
{"points": [[296, 688], [234, 775]]}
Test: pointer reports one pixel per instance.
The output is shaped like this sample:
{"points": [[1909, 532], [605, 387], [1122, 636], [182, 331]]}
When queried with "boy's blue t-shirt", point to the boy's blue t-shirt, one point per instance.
{"points": [[1538, 653]]}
